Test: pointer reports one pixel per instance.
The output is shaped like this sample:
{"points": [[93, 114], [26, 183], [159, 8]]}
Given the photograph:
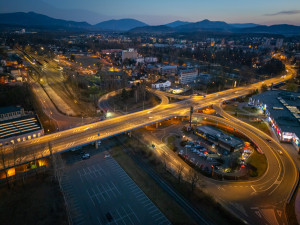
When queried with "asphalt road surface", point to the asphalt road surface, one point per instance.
{"points": [[97, 186]]}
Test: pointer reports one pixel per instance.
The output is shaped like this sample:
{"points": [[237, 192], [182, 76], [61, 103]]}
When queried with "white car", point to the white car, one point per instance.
{"points": [[85, 156]]}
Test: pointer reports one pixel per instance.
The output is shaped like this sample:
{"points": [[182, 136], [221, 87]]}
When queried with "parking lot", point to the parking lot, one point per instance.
{"points": [[99, 191]]}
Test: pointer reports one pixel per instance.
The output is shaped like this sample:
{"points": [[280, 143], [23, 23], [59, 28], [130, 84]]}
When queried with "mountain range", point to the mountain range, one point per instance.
{"points": [[35, 20]]}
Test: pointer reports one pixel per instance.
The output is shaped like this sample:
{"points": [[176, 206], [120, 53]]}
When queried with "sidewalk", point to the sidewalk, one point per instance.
{"points": [[294, 154]]}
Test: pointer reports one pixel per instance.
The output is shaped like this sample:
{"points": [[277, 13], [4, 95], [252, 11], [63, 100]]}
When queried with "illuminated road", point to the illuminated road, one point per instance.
{"points": [[88, 133], [274, 186]]}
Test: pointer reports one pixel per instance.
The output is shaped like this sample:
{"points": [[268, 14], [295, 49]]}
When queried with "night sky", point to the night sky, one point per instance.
{"points": [[163, 11]]}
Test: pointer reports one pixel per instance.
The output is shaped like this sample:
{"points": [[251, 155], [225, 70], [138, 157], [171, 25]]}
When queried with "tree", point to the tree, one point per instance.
{"points": [[179, 173], [124, 94], [264, 88], [194, 178], [3, 162], [291, 87], [100, 66], [72, 57]]}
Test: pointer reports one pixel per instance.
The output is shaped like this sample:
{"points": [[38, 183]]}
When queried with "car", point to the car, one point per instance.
{"points": [[268, 140], [85, 129], [109, 217], [85, 156]]}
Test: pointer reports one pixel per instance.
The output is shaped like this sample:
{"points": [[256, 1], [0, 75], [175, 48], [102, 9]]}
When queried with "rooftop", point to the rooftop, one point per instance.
{"points": [[19, 126], [284, 108], [9, 109], [220, 135], [159, 81]]}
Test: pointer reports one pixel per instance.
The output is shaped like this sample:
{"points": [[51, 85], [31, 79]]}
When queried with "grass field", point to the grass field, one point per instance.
{"points": [[261, 126], [259, 161]]}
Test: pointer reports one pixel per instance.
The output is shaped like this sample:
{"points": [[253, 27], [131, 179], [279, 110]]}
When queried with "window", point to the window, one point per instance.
{"points": [[29, 137], [34, 135], [19, 139], [24, 138]]}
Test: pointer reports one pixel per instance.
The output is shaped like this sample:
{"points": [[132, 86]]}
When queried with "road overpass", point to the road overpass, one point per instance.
{"points": [[82, 135]]}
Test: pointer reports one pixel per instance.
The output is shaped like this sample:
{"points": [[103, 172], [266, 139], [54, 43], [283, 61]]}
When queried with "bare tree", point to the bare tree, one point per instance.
{"points": [[3, 162], [179, 173], [194, 178]]}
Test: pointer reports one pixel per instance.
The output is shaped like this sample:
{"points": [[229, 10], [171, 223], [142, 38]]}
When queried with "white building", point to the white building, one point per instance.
{"points": [[161, 84], [187, 75], [150, 59], [140, 60]]}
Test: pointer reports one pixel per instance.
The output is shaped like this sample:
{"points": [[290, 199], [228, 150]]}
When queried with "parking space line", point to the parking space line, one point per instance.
{"points": [[99, 220], [91, 197], [133, 213]]}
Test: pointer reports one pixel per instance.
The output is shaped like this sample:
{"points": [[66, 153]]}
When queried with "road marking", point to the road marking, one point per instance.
{"points": [[258, 214], [253, 188], [279, 212]]}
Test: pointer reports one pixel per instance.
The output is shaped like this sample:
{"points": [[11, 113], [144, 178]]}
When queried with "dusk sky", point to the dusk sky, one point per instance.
{"points": [[163, 11]]}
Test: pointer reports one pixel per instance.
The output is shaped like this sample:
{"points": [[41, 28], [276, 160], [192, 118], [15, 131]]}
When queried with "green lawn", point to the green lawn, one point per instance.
{"points": [[261, 126], [251, 110], [171, 142], [259, 161], [232, 108]]}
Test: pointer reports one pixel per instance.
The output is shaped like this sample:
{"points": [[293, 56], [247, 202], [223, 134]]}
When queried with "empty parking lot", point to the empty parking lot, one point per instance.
{"points": [[98, 186]]}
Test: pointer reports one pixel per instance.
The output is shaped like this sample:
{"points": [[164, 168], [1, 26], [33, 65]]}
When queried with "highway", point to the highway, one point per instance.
{"points": [[64, 140], [250, 200]]}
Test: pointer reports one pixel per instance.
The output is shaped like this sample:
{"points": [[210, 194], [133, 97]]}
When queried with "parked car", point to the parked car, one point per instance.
{"points": [[85, 156], [109, 217]]}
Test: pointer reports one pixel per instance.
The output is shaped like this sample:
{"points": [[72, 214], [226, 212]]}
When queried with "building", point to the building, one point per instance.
{"points": [[203, 78], [187, 75], [20, 129], [17, 126], [151, 59], [161, 84], [279, 43], [219, 138], [168, 70], [129, 54], [282, 109], [11, 112]]}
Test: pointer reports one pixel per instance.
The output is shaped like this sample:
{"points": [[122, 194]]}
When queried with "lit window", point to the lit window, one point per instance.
{"points": [[29, 137], [34, 135], [19, 139]]}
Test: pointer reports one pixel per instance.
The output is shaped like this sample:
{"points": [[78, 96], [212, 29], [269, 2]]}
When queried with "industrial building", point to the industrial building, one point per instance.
{"points": [[18, 126], [282, 109], [219, 138]]}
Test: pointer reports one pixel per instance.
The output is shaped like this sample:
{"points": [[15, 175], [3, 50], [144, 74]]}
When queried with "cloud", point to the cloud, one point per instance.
{"points": [[290, 12]]}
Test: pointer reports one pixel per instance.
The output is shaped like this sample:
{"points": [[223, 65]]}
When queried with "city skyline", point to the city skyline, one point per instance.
{"points": [[157, 13]]}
